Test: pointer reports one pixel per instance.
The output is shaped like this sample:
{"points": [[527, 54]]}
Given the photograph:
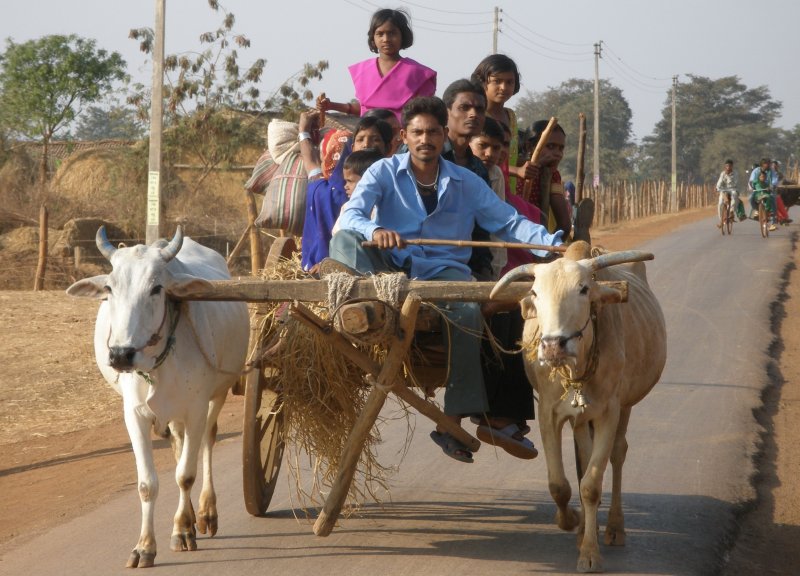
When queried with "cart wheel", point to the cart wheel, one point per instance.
{"points": [[262, 442]]}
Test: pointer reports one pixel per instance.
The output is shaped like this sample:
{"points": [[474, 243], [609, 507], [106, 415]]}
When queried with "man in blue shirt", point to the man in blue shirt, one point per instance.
{"points": [[420, 195]]}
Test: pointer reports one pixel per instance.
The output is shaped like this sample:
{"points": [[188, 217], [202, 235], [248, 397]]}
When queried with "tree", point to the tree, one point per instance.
{"points": [[113, 122], [211, 104], [569, 99], [45, 83], [703, 108], [745, 145]]}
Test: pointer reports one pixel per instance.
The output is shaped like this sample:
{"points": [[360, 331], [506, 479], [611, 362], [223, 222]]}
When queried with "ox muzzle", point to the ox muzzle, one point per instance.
{"points": [[120, 358]]}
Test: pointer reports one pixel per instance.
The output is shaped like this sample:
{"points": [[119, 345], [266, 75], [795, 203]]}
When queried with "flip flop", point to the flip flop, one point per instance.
{"points": [[480, 420], [509, 439], [452, 447]]}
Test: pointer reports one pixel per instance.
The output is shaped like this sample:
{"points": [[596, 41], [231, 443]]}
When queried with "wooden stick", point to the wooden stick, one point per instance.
{"points": [[526, 194], [354, 445], [400, 387], [580, 173], [473, 244]]}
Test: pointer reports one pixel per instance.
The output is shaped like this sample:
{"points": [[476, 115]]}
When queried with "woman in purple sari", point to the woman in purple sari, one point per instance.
{"points": [[390, 80]]}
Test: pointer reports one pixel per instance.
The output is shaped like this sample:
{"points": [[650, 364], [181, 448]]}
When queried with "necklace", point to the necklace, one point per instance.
{"points": [[428, 188]]}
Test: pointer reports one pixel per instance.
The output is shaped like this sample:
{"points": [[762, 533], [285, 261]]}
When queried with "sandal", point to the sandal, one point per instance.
{"points": [[511, 439], [452, 447], [481, 420]]}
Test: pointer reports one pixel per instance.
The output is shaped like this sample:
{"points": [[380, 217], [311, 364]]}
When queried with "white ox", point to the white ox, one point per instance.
{"points": [[173, 364], [590, 361]]}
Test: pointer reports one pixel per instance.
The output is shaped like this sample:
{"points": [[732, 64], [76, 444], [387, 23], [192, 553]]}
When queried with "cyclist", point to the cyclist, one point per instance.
{"points": [[727, 185], [762, 189], [763, 167]]}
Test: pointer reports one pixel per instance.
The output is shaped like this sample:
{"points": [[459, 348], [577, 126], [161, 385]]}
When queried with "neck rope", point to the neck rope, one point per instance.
{"points": [[173, 310]]}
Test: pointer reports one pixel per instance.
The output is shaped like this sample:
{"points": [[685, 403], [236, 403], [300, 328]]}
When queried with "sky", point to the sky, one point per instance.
{"points": [[645, 43]]}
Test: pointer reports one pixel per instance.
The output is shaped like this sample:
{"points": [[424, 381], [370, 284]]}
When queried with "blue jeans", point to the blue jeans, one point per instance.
{"points": [[464, 393]]}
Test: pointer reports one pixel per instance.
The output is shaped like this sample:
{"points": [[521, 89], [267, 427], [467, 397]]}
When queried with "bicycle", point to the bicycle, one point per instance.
{"points": [[764, 215], [727, 216]]}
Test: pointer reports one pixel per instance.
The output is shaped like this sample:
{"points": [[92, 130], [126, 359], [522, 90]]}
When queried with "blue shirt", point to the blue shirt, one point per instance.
{"points": [[464, 200]]}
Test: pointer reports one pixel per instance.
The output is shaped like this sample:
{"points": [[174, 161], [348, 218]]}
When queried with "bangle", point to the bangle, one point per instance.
{"points": [[303, 136], [314, 172], [350, 109]]}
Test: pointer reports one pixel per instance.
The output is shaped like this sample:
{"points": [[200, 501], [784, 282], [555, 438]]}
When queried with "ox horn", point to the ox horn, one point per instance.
{"points": [[524, 271], [106, 248], [606, 260], [171, 250]]}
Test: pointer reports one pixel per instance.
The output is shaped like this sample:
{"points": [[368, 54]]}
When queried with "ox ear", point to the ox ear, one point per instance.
{"points": [[527, 307], [90, 287], [611, 294], [182, 286]]}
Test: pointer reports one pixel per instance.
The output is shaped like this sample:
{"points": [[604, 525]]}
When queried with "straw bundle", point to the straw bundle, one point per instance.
{"points": [[323, 394]]}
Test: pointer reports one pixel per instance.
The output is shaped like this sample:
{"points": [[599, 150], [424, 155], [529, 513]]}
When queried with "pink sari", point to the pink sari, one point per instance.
{"points": [[406, 80]]}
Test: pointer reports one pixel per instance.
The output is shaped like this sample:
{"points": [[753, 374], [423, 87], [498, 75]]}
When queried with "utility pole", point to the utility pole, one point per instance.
{"points": [[495, 29], [673, 200], [596, 146], [154, 215]]}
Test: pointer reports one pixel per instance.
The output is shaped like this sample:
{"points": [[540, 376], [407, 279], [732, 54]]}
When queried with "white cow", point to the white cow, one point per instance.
{"points": [[590, 360], [173, 364]]}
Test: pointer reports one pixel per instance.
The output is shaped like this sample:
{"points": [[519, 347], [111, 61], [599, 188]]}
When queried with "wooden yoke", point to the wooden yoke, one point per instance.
{"points": [[526, 193]]}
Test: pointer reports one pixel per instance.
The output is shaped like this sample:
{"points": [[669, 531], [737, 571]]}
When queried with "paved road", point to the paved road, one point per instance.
{"points": [[688, 464]]}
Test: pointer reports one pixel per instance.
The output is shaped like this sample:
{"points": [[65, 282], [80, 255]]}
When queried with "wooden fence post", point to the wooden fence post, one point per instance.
{"points": [[41, 267], [76, 264]]}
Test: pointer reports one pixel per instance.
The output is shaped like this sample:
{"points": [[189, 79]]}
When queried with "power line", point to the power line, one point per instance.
{"points": [[632, 69], [451, 31], [651, 88], [557, 51], [587, 46], [537, 52], [484, 23], [459, 12]]}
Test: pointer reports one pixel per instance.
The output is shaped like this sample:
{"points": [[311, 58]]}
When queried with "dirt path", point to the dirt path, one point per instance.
{"points": [[64, 449]]}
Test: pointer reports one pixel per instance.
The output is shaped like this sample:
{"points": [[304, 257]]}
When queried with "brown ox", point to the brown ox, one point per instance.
{"points": [[590, 361]]}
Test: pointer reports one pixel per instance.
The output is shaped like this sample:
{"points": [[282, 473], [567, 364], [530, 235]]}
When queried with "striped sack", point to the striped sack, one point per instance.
{"points": [[263, 172], [284, 206]]}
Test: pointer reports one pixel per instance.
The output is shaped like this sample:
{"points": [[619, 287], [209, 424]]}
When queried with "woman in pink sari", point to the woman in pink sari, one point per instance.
{"points": [[390, 80]]}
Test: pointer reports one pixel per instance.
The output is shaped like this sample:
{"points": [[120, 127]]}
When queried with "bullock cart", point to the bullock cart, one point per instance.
{"points": [[263, 439]]}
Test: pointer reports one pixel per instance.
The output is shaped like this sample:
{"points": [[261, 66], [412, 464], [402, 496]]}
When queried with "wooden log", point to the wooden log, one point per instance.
{"points": [[354, 445], [41, 266], [526, 192], [256, 247], [239, 245], [361, 317], [258, 290], [369, 366], [580, 173]]}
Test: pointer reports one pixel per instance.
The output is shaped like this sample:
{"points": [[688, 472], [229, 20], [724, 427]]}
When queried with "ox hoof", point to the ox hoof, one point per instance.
{"points": [[140, 559], [567, 520], [590, 563], [207, 523], [183, 542], [614, 537]]}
